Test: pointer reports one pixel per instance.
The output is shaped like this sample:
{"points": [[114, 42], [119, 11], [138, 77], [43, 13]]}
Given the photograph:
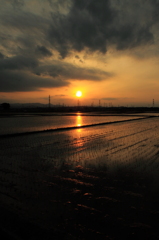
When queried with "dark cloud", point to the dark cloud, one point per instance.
{"points": [[80, 60], [42, 50], [15, 3], [61, 6], [82, 27], [22, 31], [18, 3], [24, 21], [80, 24], [18, 63], [1, 56], [14, 81], [21, 73], [17, 74], [96, 25], [68, 71]]}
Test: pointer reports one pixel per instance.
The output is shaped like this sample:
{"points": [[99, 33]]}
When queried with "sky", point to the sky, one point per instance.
{"points": [[108, 49]]}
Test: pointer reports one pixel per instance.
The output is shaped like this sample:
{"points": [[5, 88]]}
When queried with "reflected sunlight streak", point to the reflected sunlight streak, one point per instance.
{"points": [[79, 121]]}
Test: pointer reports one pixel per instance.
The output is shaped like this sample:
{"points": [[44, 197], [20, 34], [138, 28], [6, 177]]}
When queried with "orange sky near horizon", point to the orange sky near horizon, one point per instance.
{"points": [[126, 87], [41, 56]]}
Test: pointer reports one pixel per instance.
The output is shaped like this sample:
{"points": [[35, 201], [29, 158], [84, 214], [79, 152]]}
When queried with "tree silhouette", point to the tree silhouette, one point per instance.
{"points": [[5, 106]]}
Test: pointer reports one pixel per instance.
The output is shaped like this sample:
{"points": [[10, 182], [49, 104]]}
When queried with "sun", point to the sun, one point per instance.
{"points": [[78, 94]]}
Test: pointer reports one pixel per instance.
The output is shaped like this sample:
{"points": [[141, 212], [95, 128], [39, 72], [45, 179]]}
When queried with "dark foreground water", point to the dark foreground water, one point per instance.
{"points": [[100, 182]]}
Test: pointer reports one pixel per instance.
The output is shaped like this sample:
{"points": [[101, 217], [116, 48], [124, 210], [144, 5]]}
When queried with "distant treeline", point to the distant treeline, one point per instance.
{"points": [[6, 106]]}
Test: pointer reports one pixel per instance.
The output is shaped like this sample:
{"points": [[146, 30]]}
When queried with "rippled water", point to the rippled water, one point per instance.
{"points": [[73, 179]]}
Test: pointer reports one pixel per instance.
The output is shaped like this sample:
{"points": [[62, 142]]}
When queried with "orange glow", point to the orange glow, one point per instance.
{"points": [[79, 124], [78, 94], [78, 121]]}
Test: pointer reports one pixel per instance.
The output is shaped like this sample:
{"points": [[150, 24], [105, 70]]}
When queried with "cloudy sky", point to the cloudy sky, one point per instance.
{"points": [[108, 49]]}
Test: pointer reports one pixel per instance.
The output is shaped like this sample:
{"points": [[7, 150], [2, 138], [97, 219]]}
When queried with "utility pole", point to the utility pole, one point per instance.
{"points": [[49, 101], [153, 103]]}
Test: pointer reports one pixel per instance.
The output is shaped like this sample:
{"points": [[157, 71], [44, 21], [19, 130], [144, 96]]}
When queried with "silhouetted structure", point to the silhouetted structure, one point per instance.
{"points": [[5, 106], [49, 101]]}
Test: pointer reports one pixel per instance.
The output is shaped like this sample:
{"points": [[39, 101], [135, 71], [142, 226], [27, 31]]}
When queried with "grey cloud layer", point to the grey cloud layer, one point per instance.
{"points": [[97, 25], [28, 39], [68, 71], [21, 73], [13, 81]]}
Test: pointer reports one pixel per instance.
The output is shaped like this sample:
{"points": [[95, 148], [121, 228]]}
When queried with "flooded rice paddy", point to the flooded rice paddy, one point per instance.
{"points": [[100, 182], [23, 123]]}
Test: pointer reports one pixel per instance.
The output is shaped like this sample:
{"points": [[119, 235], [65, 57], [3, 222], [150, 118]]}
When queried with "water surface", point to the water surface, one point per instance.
{"points": [[17, 124]]}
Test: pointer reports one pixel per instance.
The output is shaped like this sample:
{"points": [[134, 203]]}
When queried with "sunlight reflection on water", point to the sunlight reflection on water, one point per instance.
{"points": [[78, 120], [17, 124], [46, 172]]}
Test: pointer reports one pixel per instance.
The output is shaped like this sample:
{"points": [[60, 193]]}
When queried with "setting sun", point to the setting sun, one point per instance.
{"points": [[78, 94]]}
